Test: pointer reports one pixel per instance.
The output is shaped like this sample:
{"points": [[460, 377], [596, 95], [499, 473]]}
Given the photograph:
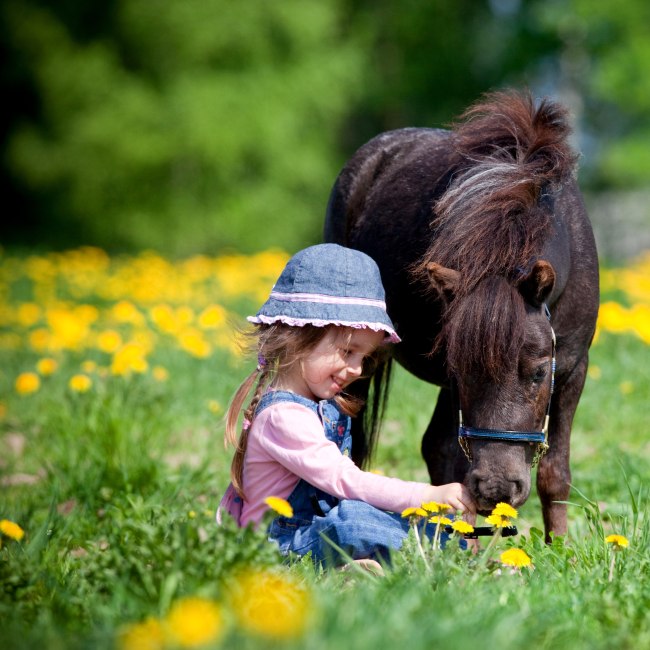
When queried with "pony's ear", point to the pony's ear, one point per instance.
{"points": [[538, 284], [443, 280]]}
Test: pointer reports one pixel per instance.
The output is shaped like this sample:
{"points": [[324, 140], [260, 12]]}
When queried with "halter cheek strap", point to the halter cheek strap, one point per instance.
{"points": [[539, 437]]}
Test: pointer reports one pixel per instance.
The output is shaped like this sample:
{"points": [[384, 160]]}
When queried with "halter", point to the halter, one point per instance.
{"points": [[539, 437]]}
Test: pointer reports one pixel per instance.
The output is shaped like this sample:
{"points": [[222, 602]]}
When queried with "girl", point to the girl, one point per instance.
{"points": [[323, 321]]}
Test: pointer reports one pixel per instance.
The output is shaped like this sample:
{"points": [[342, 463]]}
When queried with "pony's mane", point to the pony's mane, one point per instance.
{"points": [[491, 222], [484, 332], [493, 218]]}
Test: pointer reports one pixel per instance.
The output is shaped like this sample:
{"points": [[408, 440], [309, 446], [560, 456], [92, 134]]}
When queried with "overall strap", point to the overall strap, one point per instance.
{"points": [[336, 426], [276, 396]]}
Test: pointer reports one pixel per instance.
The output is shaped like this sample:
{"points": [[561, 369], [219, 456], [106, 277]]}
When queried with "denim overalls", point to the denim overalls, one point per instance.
{"points": [[359, 529]]}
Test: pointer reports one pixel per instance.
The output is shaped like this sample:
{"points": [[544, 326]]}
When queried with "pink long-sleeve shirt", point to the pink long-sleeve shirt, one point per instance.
{"points": [[286, 442]]}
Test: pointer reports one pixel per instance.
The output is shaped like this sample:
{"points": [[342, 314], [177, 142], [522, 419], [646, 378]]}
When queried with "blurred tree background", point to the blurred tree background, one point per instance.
{"points": [[204, 125]]}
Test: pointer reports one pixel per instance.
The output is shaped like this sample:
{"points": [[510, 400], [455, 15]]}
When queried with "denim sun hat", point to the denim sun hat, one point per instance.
{"points": [[328, 284]]}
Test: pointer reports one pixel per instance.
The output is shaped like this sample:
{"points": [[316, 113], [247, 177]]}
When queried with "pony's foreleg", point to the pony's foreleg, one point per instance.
{"points": [[554, 472], [440, 450]]}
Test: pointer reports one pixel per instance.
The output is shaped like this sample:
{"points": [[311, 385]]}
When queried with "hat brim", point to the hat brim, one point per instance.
{"points": [[295, 321]]}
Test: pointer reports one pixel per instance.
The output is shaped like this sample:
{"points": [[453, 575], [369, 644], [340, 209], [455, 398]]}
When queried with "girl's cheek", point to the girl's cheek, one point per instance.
{"points": [[317, 375]]}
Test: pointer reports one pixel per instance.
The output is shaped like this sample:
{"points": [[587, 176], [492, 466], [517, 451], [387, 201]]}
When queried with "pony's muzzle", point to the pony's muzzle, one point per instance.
{"points": [[489, 489]]}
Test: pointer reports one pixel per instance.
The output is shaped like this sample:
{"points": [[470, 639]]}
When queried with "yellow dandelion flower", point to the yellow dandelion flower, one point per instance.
{"points": [[147, 635], [160, 373], [194, 621], [212, 317], [80, 383], [640, 317], [504, 510], [613, 317], [69, 328], [515, 557], [139, 365], [440, 520], [87, 313], [88, 366], [27, 382], [214, 406], [271, 604], [281, 506], [164, 318], [192, 341], [109, 341], [28, 313], [462, 527], [11, 529], [434, 506], [498, 521], [617, 541], [626, 387], [594, 372], [414, 512], [40, 339], [129, 358], [126, 312], [185, 315], [47, 366]]}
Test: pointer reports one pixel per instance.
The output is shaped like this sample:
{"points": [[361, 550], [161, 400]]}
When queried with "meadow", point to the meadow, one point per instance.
{"points": [[115, 373]]}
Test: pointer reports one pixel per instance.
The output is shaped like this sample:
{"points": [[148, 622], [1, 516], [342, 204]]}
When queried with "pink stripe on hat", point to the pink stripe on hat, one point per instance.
{"points": [[323, 298]]}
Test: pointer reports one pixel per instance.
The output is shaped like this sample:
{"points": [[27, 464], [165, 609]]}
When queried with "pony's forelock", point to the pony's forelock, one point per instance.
{"points": [[509, 154], [492, 221], [484, 332]]}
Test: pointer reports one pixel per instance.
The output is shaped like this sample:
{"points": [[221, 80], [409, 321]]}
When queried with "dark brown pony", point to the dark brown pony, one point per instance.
{"points": [[487, 255]]}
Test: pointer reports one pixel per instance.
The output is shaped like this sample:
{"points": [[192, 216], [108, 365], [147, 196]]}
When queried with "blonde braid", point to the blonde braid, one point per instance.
{"points": [[262, 374]]}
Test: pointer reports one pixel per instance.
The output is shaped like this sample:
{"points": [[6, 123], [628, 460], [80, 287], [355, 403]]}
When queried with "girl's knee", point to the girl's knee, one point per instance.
{"points": [[360, 526]]}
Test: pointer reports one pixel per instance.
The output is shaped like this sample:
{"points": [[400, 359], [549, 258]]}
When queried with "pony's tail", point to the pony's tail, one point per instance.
{"points": [[239, 438]]}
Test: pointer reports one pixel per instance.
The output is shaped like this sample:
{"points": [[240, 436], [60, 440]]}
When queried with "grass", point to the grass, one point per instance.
{"points": [[116, 490]]}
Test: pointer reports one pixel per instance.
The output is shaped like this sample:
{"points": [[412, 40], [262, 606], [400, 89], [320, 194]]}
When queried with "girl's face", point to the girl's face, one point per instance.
{"points": [[335, 362]]}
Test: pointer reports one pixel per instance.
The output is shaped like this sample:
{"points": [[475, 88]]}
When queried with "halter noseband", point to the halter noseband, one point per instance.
{"points": [[539, 437]]}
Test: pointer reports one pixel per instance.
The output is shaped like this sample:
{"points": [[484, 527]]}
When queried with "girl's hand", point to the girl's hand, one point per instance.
{"points": [[457, 496]]}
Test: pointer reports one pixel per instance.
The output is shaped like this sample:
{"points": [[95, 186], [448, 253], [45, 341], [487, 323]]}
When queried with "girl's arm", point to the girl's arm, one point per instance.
{"points": [[292, 435]]}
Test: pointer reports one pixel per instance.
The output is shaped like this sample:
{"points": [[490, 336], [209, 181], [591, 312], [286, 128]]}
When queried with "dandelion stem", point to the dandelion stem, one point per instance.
{"points": [[487, 553], [419, 543], [436, 538], [611, 567]]}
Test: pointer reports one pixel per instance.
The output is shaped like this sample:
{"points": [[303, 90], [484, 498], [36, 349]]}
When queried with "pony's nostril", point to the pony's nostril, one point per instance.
{"points": [[474, 484]]}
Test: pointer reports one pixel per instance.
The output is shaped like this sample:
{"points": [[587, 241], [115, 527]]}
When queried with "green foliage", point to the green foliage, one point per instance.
{"points": [[205, 125], [603, 56], [191, 126], [432, 59]]}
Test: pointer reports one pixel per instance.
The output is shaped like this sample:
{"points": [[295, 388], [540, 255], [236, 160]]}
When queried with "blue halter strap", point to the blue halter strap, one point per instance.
{"points": [[466, 433]]}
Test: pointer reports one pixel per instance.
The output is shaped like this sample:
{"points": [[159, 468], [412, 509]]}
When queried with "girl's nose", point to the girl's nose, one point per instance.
{"points": [[355, 368]]}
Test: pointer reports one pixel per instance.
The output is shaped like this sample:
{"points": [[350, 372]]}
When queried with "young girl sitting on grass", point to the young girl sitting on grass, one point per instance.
{"points": [[324, 319]]}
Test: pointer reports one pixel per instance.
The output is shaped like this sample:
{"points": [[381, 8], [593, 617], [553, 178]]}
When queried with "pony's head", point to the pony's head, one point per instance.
{"points": [[500, 354], [489, 230]]}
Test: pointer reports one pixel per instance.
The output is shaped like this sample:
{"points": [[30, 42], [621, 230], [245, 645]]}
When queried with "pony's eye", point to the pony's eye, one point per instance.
{"points": [[539, 374]]}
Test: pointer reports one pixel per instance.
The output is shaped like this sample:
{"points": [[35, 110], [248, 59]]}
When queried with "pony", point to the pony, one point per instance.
{"points": [[491, 275]]}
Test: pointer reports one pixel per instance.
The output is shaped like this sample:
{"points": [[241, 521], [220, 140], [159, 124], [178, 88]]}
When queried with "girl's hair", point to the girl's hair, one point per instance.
{"points": [[279, 348]]}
